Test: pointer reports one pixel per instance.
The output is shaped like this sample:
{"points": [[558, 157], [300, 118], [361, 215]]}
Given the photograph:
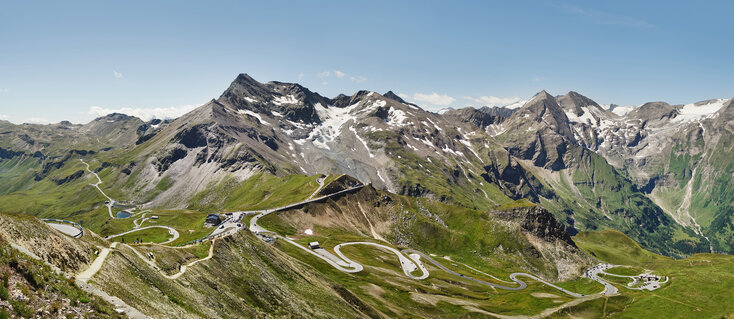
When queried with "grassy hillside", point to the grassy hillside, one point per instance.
{"points": [[700, 286]]}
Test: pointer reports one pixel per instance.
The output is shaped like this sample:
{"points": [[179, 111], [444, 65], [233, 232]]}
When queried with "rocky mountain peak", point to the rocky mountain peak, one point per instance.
{"points": [[653, 111], [292, 100], [244, 91], [542, 95], [543, 107], [391, 95], [344, 100], [477, 117], [575, 102]]}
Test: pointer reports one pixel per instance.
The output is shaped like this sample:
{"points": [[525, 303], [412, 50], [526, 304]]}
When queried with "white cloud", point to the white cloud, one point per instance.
{"points": [[538, 78], [117, 75], [36, 120], [339, 74], [4, 117], [492, 100], [357, 79], [145, 114], [324, 74], [4, 90], [433, 98], [300, 76]]}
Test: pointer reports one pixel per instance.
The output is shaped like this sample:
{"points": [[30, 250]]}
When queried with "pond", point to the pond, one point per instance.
{"points": [[123, 214]]}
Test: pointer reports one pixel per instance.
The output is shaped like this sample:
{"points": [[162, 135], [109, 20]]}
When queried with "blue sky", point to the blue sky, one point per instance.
{"points": [[73, 60]]}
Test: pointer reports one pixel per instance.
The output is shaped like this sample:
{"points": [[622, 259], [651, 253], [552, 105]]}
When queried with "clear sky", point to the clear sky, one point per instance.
{"points": [[73, 60]]}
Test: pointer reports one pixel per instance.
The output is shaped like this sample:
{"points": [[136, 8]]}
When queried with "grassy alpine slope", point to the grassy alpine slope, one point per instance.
{"points": [[700, 286]]}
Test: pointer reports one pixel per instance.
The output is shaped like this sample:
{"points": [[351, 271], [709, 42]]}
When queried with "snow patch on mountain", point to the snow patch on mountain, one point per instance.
{"points": [[351, 128], [516, 105], [471, 149], [396, 117], [434, 124], [332, 120], [288, 99], [585, 117], [449, 150], [251, 100], [693, 112], [622, 110], [253, 114]]}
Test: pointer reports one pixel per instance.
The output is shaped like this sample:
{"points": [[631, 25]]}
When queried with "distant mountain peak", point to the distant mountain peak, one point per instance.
{"points": [[244, 77], [543, 107], [543, 95], [391, 95], [653, 111], [575, 103]]}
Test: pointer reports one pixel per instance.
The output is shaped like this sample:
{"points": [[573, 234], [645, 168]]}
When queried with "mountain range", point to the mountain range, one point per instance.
{"points": [[544, 188], [658, 173]]}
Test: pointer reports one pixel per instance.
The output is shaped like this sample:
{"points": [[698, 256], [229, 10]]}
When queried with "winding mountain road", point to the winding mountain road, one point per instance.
{"points": [[173, 232], [408, 264], [96, 265], [110, 201], [410, 260]]}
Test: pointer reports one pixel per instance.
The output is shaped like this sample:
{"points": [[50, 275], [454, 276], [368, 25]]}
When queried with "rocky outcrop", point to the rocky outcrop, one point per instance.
{"points": [[539, 222], [471, 115], [69, 178]]}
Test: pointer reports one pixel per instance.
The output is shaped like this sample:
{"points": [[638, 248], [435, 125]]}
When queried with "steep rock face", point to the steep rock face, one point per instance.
{"points": [[539, 222], [499, 111], [550, 239], [479, 118], [515, 180], [539, 131]]}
